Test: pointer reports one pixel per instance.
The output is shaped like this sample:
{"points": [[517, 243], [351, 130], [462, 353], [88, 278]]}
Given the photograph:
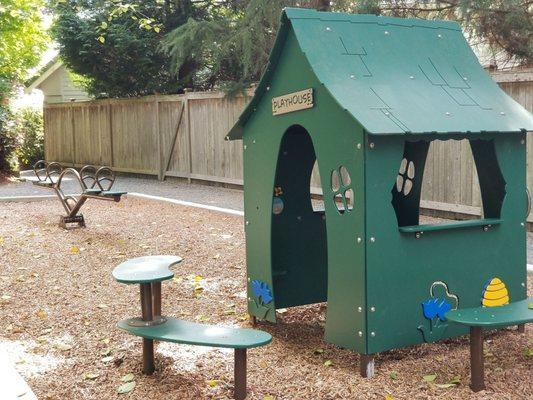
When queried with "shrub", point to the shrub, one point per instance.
{"points": [[8, 139], [30, 137]]}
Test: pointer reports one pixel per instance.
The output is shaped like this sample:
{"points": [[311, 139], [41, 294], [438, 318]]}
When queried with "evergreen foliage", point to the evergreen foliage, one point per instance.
{"points": [[231, 49], [115, 44], [163, 46]]}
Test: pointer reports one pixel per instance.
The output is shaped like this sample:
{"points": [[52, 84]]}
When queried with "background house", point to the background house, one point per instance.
{"points": [[55, 81]]}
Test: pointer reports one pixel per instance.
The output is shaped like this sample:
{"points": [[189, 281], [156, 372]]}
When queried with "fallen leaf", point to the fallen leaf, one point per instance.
{"points": [[269, 397], [5, 297], [202, 318], [42, 314], [389, 397], [91, 376], [126, 388], [107, 359], [244, 317], [318, 351], [281, 310], [393, 375], [212, 382], [42, 339], [128, 378], [198, 288], [216, 256], [63, 346], [429, 378], [105, 341], [456, 380], [74, 250], [102, 306], [528, 352], [2, 240], [445, 385], [328, 363]]}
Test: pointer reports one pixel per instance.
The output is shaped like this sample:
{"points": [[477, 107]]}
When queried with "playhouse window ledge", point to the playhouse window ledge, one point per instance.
{"points": [[486, 222]]}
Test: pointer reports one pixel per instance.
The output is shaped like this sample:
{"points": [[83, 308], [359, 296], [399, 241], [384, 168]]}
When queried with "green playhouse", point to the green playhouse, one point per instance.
{"points": [[365, 96]]}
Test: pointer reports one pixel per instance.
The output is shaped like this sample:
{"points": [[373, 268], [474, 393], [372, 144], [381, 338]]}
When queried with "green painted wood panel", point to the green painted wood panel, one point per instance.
{"points": [[401, 268], [330, 129]]}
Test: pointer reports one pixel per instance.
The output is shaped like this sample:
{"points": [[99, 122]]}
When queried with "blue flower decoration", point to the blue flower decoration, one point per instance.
{"points": [[262, 291], [436, 308]]}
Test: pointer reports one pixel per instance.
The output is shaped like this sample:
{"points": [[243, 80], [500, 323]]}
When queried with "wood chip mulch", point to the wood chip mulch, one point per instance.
{"points": [[59, 306]]}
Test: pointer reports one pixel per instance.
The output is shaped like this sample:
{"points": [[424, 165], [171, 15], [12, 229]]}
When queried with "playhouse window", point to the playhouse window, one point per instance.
{"points": [[417, 179], [343, 193]]}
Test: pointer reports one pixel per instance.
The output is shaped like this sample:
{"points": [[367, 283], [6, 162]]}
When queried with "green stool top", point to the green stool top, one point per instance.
{"points": [[145, 269], [179, 331], [515, 313], [112, 193]]}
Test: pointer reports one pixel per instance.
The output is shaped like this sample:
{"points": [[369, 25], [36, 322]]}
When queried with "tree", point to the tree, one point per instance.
{"points": [[116, 44], [230, 47], [22, 40]]}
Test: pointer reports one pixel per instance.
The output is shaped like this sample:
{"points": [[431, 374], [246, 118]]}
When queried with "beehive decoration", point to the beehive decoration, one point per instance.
{"points": [[495, 294]]}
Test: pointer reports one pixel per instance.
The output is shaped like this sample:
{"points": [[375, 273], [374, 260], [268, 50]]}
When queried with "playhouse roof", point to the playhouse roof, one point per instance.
{"points": [[395, 75]]}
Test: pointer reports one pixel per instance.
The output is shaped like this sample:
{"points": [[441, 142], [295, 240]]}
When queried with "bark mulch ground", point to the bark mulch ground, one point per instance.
{"points": [[59, 306]]}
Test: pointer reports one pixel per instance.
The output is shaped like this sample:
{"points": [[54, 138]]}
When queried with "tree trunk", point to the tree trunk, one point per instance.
{"points": [[322, 5]]}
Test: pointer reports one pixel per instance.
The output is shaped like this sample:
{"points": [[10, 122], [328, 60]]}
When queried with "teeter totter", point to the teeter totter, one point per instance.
{"points": [[149, 272], [95, 183]]}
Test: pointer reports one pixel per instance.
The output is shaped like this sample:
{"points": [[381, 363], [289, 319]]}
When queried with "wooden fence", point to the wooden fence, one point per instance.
{"points": [[183, 136], [180, 136]]}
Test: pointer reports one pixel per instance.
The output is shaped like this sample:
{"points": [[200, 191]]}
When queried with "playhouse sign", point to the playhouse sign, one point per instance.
{"points": [[292, 102]]}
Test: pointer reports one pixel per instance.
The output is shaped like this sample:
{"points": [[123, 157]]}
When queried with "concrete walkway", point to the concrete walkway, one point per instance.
{"points": [[171, 188], [12, 386]]}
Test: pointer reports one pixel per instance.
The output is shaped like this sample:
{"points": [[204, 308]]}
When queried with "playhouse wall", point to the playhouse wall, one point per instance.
{"points": [[335, 137], [401, 268]]}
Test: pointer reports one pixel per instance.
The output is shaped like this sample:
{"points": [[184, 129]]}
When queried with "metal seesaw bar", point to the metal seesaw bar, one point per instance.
{"points": [[94, 183]]}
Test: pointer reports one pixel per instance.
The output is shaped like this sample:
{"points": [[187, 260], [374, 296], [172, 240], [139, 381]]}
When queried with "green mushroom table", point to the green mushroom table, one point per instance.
{"points": [[516, 313], [149, 272]]}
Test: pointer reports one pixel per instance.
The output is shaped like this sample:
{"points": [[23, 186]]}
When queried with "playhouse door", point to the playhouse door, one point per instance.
{"points": [[299, 249]]}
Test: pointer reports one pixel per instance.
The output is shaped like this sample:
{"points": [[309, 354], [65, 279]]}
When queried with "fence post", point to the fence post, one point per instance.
{"points": [[72, 125], [189, 134], [111, 149], [159, 140]]}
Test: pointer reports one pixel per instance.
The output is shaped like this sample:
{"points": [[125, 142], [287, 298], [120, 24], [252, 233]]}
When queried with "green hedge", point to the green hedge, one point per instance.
{"points": [[21, 138]]}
